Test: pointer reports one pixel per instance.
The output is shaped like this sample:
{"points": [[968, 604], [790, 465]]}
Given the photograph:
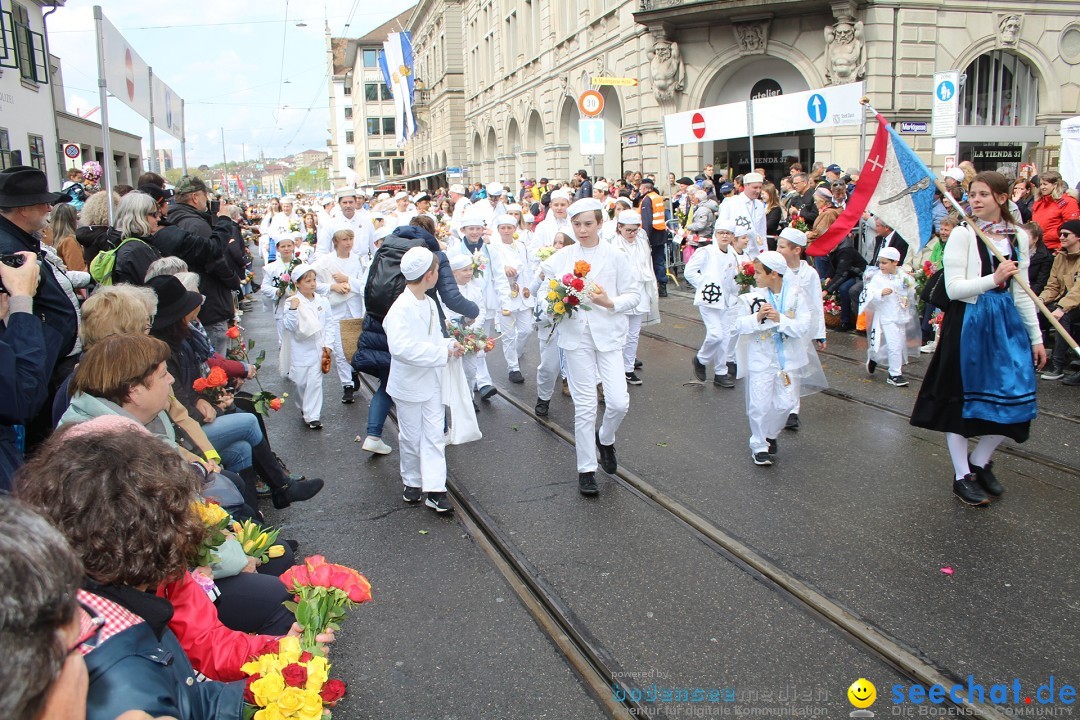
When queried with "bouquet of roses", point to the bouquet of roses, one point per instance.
{"points": [[922, 274], [284, 282], [831, 306], [479, 264], [545, 252], [571, 294], [257, 542], [324, 592], [474, 339], [745, 277], [796, 221], [264, 400], [211, 386], [294, 226], [215, 519], [285, 681], [311, 239]]}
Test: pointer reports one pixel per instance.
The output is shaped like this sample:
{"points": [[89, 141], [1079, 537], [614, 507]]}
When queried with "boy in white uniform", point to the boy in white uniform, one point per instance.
{"points": [[463, 274], [555, 220], [592, 341], [341, 281], [307, 337], [419, 354], [551, 364], [772, 324], [792, 245], [890, 295], [516, 314], [630, 239], [711, 270], [271, 272]]}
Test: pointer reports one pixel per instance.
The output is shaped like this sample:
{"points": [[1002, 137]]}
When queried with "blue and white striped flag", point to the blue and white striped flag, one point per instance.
{"points": [[397, 68]]}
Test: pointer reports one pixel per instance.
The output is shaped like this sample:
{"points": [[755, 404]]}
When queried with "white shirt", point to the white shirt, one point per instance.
{"points": [[748, 215], [809, 283], [759, 339], [418, 350], [363, 235], [350, 304], [544, 234], [306, 350], [514, 255], [896, 307], [711, 266]]}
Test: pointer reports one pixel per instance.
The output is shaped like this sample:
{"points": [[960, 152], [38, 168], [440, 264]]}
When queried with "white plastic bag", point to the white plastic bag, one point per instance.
{"points": [[457, 396]]}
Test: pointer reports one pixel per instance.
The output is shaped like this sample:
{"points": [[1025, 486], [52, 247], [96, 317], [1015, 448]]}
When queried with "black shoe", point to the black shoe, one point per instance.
{"points": [[871, 366], [638, 364], [1072, 380], [845, 327], [773, 445], [586, 484], [662, 291], [475, 406], [439, 502], [411, 494], [315, 425], [516, 377], [541, 408], [347, 395], [897, 381], [762, 458], [486, 392], [296, 492], [607, 456], [792, 422], [632, 379], [968, 490], [723, 381], [1053, 373], [732, 369], [986, 479], [699, 369]]}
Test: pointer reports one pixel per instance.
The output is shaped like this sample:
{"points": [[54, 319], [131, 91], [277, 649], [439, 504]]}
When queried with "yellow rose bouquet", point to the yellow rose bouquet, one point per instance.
{"points": [[285, 681]]}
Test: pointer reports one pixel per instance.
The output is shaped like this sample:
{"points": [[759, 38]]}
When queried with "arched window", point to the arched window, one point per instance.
{"points": [[999, 89]]}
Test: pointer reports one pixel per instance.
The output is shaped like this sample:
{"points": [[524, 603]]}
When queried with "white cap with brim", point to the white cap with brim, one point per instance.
{"points": [[889, 253], [383, 232], [561, 194], [584, 205], [513, 208], [624, 200], [286, 240], [473, 219], [461, 261], [774, 261], [402, 194], [528, 217], [752, 177], [345, 192], [415, 262], [724, 226], [506, 219], [377, 216], [955, 173], [495, 189], [629, 217], [457, 189], [794, 236], [300, 271]]}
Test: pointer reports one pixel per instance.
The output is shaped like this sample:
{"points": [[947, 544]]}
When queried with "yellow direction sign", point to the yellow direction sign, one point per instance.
{"points": [[628, 82]]}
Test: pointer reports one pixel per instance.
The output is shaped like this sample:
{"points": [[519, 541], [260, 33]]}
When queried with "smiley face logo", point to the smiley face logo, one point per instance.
{"points": [[862, 693]]}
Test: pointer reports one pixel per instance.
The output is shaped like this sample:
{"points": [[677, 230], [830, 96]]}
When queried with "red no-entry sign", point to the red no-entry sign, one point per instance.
{"points": [[697, 124]]}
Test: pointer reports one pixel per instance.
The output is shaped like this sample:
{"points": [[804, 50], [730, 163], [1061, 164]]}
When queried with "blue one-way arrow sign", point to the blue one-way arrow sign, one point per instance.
{"points": [[816, 108]]}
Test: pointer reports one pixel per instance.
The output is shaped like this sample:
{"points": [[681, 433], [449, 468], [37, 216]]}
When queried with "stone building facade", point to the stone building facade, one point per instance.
{"points": [[522, 64]]}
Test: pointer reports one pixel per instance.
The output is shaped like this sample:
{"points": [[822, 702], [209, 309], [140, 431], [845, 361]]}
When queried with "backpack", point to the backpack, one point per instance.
{"points": [[77, 193], [385, 281], [101, 267]]}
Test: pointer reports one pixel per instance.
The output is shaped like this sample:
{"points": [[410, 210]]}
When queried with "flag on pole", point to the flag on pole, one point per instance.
{"points": [[894, 185], [397, 68], [281, 187]]}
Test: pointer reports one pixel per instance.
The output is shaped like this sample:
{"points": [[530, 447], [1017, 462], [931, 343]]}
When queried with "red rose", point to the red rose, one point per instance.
{"points": [[571, 300], [249, 697], [305, 656], [294, 675], [275, 404], [332, 691], [199, 384], [270, 647], [217, 377], [320, 576], [232, 333], [578, 284]]}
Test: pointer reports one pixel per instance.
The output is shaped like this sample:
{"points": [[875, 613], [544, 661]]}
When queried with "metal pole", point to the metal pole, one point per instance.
{"points": [[103, 97], [750, 132], [225, 162], [153, 147], [183, 138], [862, 158]]}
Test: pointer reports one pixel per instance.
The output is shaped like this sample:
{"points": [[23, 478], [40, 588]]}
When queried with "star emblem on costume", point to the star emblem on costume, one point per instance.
{"points": [[742, 221], [711, 293]]}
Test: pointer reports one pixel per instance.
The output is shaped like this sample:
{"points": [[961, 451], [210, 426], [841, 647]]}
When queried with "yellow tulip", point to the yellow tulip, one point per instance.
{"points": [[238, 529], [249, 545], [263, 537], [276, 551]]}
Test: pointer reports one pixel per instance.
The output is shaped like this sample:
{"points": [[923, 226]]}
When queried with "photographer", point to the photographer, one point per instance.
{"points": [[24, 377]]}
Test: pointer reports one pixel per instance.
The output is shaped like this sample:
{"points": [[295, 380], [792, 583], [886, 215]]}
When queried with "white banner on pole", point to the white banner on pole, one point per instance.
{"points": [[168, 109], [719, 122], [826, 107], [1069, 162], [125, 72]]}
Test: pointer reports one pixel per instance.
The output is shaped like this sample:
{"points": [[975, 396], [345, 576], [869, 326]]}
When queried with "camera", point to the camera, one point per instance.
{"points": [[11, 260], [215, 207]]}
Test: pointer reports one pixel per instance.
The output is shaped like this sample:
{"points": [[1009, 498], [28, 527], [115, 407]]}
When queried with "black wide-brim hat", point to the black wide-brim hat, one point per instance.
{"points": [[174, 300], [22, 185]]}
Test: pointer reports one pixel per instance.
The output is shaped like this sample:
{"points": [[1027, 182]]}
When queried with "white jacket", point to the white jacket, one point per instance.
{"points": [[896, 307], [758, 340], [418, 350], [711, 266], [516, 256], [748, 215], [309, 329], [350, 304], [809, 282]]}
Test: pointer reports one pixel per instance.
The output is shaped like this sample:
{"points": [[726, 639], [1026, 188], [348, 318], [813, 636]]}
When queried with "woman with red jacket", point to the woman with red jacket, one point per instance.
{"points": [[1052, 208]]}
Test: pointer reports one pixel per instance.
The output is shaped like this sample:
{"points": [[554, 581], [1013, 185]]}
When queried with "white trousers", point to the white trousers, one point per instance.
{"points": [[633, 335], [421, 443], [481, 376], [308, 380], [547, 372], [894, 336], [344, 367], [515, 328], [584, 368], [719, 345], [767, 409]]}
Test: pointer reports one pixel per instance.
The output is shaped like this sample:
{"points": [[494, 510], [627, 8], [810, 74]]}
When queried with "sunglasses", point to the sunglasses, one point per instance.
{"points": [[90, 625]]}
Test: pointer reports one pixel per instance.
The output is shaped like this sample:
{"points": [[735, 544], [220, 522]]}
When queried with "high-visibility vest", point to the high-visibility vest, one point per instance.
{"points": [[659, 220]]}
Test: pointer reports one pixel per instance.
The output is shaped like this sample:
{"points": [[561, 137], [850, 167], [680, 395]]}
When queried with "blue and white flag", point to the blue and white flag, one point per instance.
{"points": [[397, 68]]}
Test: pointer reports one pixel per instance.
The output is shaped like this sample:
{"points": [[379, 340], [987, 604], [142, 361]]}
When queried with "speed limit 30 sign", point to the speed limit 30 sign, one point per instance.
{"points": [[591, 103]]}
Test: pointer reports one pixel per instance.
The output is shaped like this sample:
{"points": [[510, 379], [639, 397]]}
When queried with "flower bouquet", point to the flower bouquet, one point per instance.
{"points": [[798, 223], [745, 277], [264, 400], [545, 252], [479, 264], [324, 592], [922, 274], [285, 681], [832, 311], [567, 296], [215, 519], [212, 386], [257, 542], [311, 238], [294, 226], [284, 282], [473, 339]]}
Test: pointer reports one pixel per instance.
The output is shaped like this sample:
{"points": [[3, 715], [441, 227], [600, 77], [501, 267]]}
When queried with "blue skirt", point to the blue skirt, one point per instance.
{"points": [[998, 375]]}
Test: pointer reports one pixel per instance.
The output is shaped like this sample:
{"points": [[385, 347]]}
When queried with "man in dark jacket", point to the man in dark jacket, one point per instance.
{"points": [[218, 282], [658, 238], [25, 203], [585, 189]]}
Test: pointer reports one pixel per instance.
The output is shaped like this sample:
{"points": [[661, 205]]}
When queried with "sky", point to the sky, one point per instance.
{"points": [[241, 65]]}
